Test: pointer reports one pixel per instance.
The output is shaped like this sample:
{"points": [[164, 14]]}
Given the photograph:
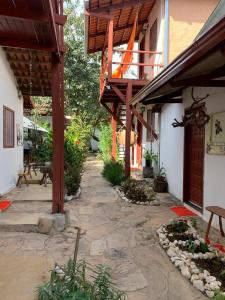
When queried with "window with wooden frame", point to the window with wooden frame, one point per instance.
{"points": [[151, 122], [8, 127], [153, 37]]}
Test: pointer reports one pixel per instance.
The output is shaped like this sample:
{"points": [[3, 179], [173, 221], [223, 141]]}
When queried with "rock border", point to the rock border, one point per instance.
{"points": [[202, 280], [73, 197], [124, 198]]}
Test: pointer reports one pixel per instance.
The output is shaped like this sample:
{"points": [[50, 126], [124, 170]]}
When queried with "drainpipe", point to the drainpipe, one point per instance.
{"points": [[166, 33]]}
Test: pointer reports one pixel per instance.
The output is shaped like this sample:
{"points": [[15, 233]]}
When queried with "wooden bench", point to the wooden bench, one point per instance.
{"points": [[220, 212]]}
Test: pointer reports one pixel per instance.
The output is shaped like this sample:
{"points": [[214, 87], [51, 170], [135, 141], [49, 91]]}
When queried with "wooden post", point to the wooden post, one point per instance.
{"points": [[114, 125], [58, 137], [110, 46], [128, 129], [139, 143]]}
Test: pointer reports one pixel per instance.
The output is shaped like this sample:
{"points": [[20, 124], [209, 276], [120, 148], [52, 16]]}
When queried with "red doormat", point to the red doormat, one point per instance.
{"points": [[182, 211], [4, 205]]}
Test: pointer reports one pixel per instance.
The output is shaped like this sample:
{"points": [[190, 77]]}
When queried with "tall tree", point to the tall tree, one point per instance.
{"points": [[81, 70]]}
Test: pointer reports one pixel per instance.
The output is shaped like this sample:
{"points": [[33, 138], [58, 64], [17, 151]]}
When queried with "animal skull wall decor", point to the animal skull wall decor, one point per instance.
{"points": [[196, 114]]}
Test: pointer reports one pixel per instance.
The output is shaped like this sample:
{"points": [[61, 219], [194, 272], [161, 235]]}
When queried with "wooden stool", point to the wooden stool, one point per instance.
{"points": [[220, 212], [20, 178], [31, 166]]}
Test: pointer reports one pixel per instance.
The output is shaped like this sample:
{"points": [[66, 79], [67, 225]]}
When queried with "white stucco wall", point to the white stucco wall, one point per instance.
{"points": [[11, 159], [172, 149]]}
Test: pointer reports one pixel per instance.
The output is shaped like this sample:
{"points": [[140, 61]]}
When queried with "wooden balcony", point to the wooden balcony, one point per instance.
{"points": [[136, 72]]}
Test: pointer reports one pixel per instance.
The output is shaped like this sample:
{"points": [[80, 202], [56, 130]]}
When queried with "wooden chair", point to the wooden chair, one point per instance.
{"points": [[31, 167], [220, 212], [20, 178]]}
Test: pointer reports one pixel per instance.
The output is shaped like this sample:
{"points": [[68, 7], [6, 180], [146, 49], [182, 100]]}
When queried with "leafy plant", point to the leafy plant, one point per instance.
{"points": [[150, 156], [81, 282], [203, 247], [105, 142], [113, 172], [178, 226], [161, 173], [193, 222], [76, 141], [193, 248], [218, 296]]}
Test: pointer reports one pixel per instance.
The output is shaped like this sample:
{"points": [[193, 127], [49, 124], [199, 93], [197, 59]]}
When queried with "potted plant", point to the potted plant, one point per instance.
{"points": [[160, 184], [150, 158]]}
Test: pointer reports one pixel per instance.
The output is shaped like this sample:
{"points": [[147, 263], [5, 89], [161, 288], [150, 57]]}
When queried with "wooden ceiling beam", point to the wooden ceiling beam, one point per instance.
{"points": [[122, 5], [23, 61], [116, 29], [31, 15], [24, 42]]}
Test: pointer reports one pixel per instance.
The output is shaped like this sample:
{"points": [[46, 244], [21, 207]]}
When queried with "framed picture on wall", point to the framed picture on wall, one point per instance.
{"points": [[215, 134]]}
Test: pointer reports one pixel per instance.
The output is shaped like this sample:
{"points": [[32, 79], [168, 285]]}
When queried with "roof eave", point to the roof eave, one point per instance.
{"points": [[196, 51]]}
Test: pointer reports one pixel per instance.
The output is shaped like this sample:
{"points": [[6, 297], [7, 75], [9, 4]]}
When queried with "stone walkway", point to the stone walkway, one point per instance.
{"points": [[115, 233], [123, 237]]}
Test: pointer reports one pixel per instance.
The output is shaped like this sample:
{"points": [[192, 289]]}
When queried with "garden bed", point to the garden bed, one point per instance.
{"points": [[202, 264], [137, 192]]}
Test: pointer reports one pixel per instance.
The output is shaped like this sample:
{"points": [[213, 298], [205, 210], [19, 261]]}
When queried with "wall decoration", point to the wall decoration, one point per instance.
{"points": [[196, 114], [19, 135], [215, 134]]}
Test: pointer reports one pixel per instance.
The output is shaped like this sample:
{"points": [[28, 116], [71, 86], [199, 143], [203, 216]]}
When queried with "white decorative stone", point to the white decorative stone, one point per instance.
{"points": [[210, 279], [206, 273], [214, 285], [210, 294], [198, 284], [178, 263], [185, 272], [171, 252], [194, 277]]}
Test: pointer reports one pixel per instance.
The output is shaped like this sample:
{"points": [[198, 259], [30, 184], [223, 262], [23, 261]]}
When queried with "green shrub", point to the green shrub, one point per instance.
{"points": [[76, 142], [80, 282], [105, 142], [113, 172]]}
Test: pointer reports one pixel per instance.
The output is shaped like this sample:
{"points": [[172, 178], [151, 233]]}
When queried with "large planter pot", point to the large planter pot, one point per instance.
{"points": [[160, 185], [148, 172]]}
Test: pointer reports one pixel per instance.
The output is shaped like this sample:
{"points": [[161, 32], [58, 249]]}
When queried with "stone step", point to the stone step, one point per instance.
{"points": [[19, 221]]}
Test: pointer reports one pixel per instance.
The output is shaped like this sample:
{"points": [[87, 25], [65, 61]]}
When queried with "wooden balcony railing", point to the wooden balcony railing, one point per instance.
{"points": [[146, 70]]}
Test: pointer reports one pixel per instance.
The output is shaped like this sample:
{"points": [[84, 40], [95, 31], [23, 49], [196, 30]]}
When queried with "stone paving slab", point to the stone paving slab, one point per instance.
{"points": [[33, 192], [21, 275]]}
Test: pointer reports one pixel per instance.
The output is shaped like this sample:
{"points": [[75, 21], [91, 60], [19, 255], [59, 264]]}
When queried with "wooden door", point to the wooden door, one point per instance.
{"points": [[194, 165]]}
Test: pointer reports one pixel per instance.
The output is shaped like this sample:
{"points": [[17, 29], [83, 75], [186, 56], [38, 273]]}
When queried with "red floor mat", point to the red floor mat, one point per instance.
{"points": [[4, 205], [182, 211]]}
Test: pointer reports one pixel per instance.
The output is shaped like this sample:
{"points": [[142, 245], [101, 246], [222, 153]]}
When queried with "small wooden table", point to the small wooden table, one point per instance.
{"points": [[220, 212], [47, 173]]}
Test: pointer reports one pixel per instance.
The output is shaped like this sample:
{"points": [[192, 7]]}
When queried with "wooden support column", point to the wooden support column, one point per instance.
{"points": [[58, 136], [128, 129], [110, 46], [114, 125]]}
